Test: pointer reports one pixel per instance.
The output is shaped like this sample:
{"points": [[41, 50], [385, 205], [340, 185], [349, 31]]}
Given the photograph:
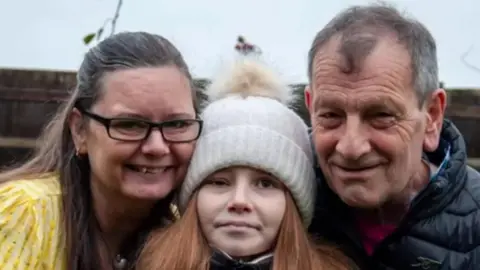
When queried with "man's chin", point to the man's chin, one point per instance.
{"points": [[361, 198]]}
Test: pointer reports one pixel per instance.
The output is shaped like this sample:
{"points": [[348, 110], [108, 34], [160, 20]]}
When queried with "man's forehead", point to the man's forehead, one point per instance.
{"points": [[386, 47], [387, 65], [327, 53]]}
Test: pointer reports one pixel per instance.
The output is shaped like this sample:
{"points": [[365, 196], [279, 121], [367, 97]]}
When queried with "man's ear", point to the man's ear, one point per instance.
{"points": [[435, 108], [308, 98], [77, 129]]}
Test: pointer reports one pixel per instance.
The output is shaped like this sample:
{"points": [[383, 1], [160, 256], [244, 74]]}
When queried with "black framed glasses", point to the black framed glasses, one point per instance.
{"points": [[133, 130]]}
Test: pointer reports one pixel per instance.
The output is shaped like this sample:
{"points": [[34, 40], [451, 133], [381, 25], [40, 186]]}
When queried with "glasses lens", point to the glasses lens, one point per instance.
{"points": [[125, 129], [181, 130]]}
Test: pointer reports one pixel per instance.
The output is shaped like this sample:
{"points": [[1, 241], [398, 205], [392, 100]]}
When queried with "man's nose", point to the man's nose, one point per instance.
{"points": [[354, 142], [155, 144], [240, 202]]}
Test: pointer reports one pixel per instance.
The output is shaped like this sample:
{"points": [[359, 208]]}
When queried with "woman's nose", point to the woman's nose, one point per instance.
{"points": [[155, 144], [239, 202]]}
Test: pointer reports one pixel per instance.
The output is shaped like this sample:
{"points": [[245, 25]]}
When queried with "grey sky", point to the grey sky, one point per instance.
{"points": [[47, 34]]}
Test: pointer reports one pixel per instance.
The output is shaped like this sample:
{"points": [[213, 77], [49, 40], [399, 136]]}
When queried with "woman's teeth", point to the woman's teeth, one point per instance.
{"points": [[147, 170]]}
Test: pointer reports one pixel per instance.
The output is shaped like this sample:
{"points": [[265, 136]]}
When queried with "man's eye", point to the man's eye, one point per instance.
{"points": [[328, 120], [383, 115], [329, 115], [383, 120]]}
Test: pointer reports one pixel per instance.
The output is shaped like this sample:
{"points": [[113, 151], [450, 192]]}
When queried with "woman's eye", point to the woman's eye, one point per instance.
{"points": [[128, 124], [178, 124]]}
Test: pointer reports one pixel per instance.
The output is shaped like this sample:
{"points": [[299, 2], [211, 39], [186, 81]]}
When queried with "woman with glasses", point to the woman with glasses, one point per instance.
{"points": [[108, 164]]}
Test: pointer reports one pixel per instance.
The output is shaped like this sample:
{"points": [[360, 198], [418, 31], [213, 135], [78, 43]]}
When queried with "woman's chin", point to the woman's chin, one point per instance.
{"points": [[144, 190]]}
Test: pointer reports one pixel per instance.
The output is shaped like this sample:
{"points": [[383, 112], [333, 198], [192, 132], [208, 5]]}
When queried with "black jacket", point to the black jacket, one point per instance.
{"points": [[221, 261], [441, 230]]}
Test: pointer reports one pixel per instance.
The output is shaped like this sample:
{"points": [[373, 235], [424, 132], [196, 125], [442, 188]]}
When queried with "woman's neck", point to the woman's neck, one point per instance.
{"points": [[117, 216]]}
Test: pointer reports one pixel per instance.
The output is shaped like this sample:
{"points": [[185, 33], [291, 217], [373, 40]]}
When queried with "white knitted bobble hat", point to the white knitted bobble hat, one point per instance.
{"points": [[248, 123]]}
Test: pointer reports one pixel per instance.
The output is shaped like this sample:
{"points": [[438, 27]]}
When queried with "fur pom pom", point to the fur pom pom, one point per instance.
{"points": [[249, 77]]}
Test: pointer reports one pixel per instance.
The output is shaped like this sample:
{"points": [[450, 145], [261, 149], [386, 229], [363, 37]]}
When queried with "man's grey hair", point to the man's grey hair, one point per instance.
{"points": [[360, 28]]}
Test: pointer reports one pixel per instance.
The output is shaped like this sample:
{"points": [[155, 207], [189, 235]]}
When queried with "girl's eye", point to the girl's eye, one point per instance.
{"points": [[218, 182], [265, 183]]}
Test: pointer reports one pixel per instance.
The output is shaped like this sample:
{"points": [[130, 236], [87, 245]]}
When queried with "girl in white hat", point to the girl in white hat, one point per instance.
{"points": [[249, 194]]}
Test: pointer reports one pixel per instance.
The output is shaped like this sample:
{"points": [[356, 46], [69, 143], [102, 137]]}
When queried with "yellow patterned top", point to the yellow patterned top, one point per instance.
{"points": [[31, 233], [30, 225]]}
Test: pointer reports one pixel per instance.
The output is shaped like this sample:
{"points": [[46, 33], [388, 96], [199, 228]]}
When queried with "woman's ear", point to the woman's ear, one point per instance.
{"points": [[77, 129]]}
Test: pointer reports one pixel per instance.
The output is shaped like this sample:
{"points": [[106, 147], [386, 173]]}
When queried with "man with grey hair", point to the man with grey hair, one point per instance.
{"points": [[395, 191]]}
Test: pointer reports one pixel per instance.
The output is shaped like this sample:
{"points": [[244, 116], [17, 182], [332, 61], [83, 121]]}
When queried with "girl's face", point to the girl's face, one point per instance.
{"points": [[240, 210]]}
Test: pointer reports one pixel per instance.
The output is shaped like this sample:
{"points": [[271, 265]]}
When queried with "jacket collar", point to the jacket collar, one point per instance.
{"points": [[222, 259], [452, 139], [450, 179]]}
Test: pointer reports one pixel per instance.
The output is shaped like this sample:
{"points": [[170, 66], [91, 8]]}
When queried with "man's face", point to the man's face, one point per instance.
{"points": [[368, 129]]}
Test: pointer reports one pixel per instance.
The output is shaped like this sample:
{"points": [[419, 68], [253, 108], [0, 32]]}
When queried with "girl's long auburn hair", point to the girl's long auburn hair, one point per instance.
{"points": [[183, 246]]}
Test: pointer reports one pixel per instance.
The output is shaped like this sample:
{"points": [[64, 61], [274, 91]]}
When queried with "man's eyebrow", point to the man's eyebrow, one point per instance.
{"points": [[378, 102], [384, 102], [326, 102]]}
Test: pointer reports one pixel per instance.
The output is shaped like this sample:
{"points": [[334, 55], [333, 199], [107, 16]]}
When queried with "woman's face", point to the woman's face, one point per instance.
{"points": [[240, 210], [147, 169]]}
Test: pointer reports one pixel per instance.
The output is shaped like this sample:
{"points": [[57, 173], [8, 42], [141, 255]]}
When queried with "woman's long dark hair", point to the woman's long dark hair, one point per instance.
{"points": [[56, 152]]}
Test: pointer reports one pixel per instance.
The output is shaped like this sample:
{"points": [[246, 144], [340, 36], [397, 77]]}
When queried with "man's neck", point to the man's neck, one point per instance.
{"points": [[393, 211]]}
